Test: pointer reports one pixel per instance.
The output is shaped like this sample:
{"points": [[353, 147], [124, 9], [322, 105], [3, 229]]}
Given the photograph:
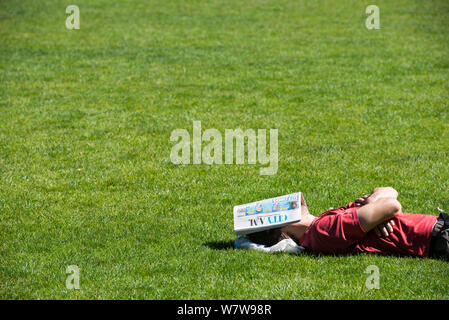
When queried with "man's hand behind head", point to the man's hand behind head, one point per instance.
{"points": [[362, 200]]}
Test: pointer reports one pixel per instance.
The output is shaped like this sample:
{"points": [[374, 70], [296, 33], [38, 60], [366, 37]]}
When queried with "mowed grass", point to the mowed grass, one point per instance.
{"points": [[85, 123]]}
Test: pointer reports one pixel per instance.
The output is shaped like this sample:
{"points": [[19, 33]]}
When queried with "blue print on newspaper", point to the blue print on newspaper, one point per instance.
{"points": [[279, 204]]}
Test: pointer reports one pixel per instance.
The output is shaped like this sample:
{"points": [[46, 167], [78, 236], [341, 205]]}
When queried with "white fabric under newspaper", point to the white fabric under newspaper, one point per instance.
{"points": [[286, 245]]}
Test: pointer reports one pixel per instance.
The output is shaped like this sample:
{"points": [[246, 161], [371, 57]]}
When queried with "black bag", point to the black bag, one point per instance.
{"points": [[439, 242]]}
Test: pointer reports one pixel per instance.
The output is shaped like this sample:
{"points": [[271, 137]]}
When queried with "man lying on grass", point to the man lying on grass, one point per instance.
{"points": [[373, 223]]}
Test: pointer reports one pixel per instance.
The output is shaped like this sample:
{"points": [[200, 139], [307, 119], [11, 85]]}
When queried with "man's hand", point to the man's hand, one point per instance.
{"points": [[384, 229], [362, 200]]}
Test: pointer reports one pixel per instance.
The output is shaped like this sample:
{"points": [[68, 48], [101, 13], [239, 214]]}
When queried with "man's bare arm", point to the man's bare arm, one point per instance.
{"points": [[304, 209], [375, 213], [378, 208]]}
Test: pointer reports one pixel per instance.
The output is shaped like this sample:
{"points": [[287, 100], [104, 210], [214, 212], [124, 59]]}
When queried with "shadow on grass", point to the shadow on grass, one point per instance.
{"points": [[220, 245]]}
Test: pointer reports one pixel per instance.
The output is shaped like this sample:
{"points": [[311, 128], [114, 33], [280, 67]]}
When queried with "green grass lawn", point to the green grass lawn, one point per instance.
{"points": [[85, 122]]}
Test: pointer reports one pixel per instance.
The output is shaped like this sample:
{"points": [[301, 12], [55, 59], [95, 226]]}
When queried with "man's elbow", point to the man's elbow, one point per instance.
{"points": [[387, 191], [391, 207]]}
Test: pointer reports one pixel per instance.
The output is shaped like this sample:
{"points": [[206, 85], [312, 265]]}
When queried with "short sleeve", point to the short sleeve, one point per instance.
{"points": [[335, 231]]}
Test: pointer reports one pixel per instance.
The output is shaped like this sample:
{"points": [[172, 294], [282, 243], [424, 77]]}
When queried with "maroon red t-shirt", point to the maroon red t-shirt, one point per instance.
{"points": [[338, 231]]}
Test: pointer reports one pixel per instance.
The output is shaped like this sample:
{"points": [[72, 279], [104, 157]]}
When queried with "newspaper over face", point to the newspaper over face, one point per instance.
{"points": [[267, 214]]}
